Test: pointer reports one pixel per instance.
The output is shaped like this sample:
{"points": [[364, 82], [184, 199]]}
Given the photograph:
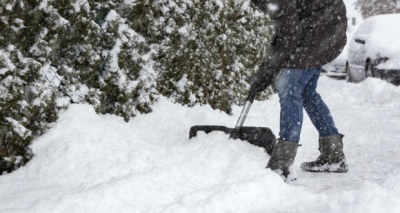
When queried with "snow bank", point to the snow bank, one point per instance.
{"points": [[99, 163], [88, 162]]}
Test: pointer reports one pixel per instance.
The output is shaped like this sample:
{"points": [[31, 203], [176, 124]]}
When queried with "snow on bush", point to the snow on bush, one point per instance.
{"points": [[120, 56]]}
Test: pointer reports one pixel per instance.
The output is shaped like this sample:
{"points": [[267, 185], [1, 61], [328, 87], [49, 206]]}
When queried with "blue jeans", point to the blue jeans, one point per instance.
{"points": [[297, 90]]}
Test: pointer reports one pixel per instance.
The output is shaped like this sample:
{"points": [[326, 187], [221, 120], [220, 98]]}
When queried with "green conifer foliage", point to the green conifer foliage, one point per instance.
{"points": [[208, 49], [26, 108], [119, 56], [54, 53], [23, 99], [128, 85]]}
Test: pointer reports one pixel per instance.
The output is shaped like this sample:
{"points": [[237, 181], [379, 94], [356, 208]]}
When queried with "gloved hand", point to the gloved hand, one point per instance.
{"points": [[263, 78]]}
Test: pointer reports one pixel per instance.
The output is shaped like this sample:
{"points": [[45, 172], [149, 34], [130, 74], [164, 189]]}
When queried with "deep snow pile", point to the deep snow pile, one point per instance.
{"points": [[99, 163]]}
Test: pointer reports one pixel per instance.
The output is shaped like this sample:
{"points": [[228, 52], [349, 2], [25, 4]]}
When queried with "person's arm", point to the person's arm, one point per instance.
{"points": [[288, 34], [288, 31]]}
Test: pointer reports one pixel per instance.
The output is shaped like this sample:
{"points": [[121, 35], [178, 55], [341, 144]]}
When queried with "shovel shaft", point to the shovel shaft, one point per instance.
{"points": [[243, 114], [245, 111]]}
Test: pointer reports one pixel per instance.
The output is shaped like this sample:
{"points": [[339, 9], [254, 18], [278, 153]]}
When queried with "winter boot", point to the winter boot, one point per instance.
{"points": [[282, 157], [332, 158]]}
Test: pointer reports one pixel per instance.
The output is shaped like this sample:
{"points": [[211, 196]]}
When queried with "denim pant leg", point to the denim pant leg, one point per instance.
{"points": [[317, 110], [291, 84]]}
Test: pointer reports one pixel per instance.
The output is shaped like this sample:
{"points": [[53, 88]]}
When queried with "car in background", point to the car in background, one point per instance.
{"points": [[337, 68], [374, 50]]}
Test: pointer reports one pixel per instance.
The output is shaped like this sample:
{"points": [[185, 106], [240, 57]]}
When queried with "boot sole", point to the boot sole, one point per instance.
{"points": [[326, 170]]}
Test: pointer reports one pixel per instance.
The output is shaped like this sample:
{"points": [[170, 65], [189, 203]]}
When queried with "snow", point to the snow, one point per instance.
{"points": [[99, 163], [43, 4], [181, 83], [5, 58], [77, 93], [273, 7], [77, 4], [18, 128]]}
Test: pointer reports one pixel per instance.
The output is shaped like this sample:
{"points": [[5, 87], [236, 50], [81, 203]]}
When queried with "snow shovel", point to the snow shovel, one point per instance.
{"points": [[259, 136]]}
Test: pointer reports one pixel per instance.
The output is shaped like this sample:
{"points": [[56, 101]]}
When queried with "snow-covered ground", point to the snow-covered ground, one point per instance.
{"points": [[99, 163]]}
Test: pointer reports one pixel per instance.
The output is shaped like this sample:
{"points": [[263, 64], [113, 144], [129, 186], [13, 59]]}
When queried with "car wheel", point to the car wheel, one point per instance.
{"points": [[369, 70]]}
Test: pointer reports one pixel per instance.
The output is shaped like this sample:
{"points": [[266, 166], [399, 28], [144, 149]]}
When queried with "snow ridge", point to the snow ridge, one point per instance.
{"points": [[99, 163]]}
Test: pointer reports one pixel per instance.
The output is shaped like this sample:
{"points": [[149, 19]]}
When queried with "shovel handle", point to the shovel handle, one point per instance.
{"points": [[207, 129], [252, 94], [245, 111]]}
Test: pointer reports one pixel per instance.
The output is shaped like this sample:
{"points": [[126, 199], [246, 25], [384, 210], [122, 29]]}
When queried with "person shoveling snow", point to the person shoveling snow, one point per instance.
{"points": [[309, 34]]}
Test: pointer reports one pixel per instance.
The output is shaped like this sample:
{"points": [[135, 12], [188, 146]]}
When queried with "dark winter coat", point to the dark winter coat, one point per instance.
{"points": [[309, 33]]}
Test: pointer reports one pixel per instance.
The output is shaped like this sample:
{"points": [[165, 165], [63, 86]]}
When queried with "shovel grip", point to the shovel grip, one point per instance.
{"points": [[207, 129], [252, 94]]}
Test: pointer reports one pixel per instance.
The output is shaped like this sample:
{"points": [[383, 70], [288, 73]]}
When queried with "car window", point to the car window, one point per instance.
{"points": [[365, 29]]}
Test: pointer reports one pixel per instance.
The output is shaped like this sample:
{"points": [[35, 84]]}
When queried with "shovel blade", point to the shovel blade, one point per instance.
{"points": [[258, 136]]}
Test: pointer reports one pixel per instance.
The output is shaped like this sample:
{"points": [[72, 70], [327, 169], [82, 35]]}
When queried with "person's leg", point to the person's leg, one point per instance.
{"points": [[332, 158], [316, 108], [291, 84]]}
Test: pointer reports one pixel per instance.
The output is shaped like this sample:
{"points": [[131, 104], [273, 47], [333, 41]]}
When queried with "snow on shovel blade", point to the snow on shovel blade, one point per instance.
{"points": [[258, 136]]}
